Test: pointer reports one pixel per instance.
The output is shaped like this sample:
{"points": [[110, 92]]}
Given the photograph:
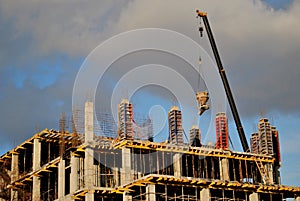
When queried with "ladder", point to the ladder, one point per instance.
{"points": [[263, 172]]}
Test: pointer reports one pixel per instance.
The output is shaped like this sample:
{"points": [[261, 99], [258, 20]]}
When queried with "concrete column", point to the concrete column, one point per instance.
{"points": [[14, 167], [89, 196], [224, 169], [89, 172], [126, 166], [14, 174], [254, 197], [177, 164], [89, 168], [205, 194], [127, 197], [150, 193], [74, 174], [61, 179], [89, 137], [116, 176], [89, 122], [269, 168], [36, 183], [81, 173], [36, 154], [277, 179]]}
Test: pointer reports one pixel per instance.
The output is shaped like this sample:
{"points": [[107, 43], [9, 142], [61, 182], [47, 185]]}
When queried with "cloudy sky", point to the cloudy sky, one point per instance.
{"points": [[43, 45]]}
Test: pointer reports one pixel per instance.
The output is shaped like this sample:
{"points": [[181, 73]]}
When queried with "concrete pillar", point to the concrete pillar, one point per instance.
{"points": [[126, 166], [36, 183], [61, 179], [14, 167], [205, 194], [150, 193], [89, 137], [177, 164], [89, 196], [269, 168], [74, 174], [89, 172], [36, 154], [224, 169], [277, 179], [127, 197], [89, 168], [116, 176], [89, 122], [81, 173], [14, 174], [254, 197]]}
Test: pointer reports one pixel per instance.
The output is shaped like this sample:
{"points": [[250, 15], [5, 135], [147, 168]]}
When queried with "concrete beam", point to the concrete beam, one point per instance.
{"points": [[150, 193]]}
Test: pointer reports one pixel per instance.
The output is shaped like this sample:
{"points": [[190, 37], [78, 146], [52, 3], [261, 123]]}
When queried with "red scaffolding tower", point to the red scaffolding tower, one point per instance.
{"points": [[222, 131]]}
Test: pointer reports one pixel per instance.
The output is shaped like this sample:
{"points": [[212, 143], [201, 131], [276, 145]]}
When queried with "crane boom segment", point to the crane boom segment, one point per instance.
{"points": [[228, 92]]}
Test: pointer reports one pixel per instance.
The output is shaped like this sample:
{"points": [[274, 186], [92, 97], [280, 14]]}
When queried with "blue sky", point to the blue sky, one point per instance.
{"points": [[42, 46]]}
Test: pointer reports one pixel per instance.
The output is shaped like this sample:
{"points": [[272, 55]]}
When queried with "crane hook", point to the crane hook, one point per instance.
{"points": [[201, 31]]}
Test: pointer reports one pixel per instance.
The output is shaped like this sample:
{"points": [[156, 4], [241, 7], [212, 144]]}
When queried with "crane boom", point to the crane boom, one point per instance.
{"points": [[225, 81]]}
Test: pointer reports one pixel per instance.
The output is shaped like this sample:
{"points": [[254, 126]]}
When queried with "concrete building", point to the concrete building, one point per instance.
{"points": [[104, 168]]}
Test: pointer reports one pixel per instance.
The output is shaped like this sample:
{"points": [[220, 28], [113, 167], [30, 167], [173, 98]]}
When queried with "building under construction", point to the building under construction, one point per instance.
{"points": [[62, 165], [125, 163]]}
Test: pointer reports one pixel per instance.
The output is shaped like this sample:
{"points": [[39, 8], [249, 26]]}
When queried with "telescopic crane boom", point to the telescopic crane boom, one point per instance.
{"points": [[235, 114]]}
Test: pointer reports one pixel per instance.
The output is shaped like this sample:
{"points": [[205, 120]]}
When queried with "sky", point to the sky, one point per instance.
{"points": [[43, 45]]}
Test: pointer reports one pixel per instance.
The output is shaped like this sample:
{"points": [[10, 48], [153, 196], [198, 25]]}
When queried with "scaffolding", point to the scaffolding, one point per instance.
{"points": [[222, 131], [195, 136], [125, 120], [175, 126], [265, 133], [254, 143]]}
